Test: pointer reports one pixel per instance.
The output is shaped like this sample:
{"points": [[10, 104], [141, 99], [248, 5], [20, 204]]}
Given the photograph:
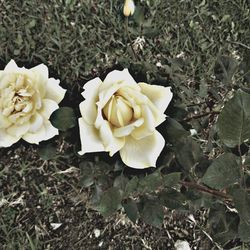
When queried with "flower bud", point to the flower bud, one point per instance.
{"points": [[129, 8], [118, 112]]}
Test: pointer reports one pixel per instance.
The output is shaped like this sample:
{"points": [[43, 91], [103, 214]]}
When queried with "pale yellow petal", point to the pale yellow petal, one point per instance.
{"points": [[126, 130], [7, 140], [111, 143], [48, 107], [54, 91], [142, 153], [36, 137], [90, 140], [159, 95], [50, 131], [4, 122], [91, 88], [36, 122], [18, 130], [148, 127], [11, 67]]}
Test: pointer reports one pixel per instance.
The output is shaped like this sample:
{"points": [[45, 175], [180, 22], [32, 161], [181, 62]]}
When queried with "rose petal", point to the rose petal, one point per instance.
{"points": [[118, 77], [142, 153], [36, 137], [18, 130], [54, 91], [90, 139], [6, 140], [126, 130], [91, 88], [148, 127], [11, 67], [159, 95], [36, 123], [48, 107], [110, 142], [4, 122], [50, 131]]}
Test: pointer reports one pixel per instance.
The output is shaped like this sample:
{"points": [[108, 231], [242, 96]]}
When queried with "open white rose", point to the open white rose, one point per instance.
{"points": [[120, 115], [27, 99]]}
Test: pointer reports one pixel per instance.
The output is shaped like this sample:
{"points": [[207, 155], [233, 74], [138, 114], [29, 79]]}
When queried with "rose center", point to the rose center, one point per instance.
{"points": [[118, 111]]}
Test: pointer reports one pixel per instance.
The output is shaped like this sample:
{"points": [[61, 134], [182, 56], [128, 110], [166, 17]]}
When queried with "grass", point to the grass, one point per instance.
{"points": [[79, 40]]}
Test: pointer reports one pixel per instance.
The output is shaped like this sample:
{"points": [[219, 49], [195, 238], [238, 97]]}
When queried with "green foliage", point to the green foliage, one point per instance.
{"points": [[63, 118], [233, 122], [223, 172], [47, 151], [131, 210]]}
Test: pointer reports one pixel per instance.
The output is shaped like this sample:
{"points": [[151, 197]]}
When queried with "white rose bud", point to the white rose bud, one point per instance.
{"points": [[129, 8], [120, 115], [27, 99]]}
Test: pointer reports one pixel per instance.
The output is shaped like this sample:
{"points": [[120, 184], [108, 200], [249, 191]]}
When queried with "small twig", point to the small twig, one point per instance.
{"points": [[129, 38], [239, 43], [200, 115], [204, 189]]}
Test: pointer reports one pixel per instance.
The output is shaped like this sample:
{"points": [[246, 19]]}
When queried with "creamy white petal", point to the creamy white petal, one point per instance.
{"points": [[35, 138], [111, 143], [36, 122], [54, 91], [148, 127], [159, 95], [6, 140], [91, 88], [4, 122], [42, 69], [50, 131], [90, 139], [126, 130], [88, 111], [18, 130], [11, 67], [142, 153], [118, 77], [48, 107]]}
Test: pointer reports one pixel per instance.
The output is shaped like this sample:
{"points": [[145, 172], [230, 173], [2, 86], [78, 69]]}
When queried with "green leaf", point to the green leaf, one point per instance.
{"points": [[152, 213], [172, 179], [244, 231], [63, 118], [110, 202], [87, 174], [139, 15], [223, 172], [188, 153], [233, 122], [120, 182], [150, 182], [132, 185], [131, 210], [242, 203], [172, 199], [175, 131], [47, 152]]}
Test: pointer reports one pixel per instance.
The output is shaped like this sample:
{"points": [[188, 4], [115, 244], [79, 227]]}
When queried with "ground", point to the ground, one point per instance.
{"points": [[180, 42]]}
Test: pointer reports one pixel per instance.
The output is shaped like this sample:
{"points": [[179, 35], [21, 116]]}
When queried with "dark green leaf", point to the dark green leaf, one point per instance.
{"points": [[47, 152], [244, 231], [131, 210], [188, 153], [223, 172], [233, 122], [87, 174], [172, 199], [150, 182], [120, 182], [110, 202], [152, 213], [132, 185], [242, 203], [175, 131], [63, 118], [172, 179]]}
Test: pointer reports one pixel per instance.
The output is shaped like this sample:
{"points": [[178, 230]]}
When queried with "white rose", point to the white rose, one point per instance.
{"points": [[27, 99], [120, 115], [128, 8]]}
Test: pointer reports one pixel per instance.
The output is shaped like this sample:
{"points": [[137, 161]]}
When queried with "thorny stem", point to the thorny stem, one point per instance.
{"points": [[200, 115], [129, 38], [204, 189]]}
